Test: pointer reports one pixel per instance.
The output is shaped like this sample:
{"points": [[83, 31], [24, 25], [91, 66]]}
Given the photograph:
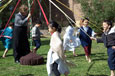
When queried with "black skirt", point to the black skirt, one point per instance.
{"points": [[20, 42]]}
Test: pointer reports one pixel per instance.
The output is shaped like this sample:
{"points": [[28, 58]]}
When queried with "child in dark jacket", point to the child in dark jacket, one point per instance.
{"points": [[108, 38]]}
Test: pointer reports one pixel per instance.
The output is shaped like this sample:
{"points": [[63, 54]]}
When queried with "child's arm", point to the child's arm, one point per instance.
{"points": [[99, 40], [93, 34], [19, 21]]}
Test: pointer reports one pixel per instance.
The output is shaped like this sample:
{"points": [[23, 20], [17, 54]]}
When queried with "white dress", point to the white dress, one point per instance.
{"points": [[70, 46], [55, 44]]}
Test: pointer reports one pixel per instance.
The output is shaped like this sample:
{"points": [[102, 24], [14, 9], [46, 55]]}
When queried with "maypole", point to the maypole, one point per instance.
{"points": [[43, 12], [30, 24], [49, 11]]}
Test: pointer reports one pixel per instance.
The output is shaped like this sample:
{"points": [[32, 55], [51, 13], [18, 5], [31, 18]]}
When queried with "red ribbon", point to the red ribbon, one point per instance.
{"points": [[10, 17], [43, 12]]}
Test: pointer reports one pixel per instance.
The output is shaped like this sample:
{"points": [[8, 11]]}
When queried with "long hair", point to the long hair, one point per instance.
{"points": [[56, 25]]}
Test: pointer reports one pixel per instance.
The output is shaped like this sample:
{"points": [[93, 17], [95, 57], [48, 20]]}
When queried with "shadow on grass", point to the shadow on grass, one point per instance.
{"points": [[45, 42], [100, 59], [28, 75], [6, 56], [71, 56], [95, 55], [9, 55], [96, 75], [90, 66], [92, 55], [99, 56]]}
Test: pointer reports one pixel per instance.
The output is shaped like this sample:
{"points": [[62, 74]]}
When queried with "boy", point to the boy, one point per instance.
{"points": [[36, 35], [85, 39]]}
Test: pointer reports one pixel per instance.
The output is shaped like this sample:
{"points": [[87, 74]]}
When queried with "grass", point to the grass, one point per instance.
{"points": [[98, 66]]}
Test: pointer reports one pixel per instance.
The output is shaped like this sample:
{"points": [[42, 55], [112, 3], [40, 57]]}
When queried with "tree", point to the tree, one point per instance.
{"points": [[98, 10]]}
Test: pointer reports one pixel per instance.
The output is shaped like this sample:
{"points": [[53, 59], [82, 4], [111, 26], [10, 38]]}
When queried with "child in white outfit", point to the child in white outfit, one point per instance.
{"points": [[56, 63], [70, 42]]}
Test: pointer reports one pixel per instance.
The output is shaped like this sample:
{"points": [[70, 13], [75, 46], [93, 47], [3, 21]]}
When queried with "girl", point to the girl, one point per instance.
{"points": [[56, 62], [7, 38], [85, 40], [108, 38], [69, 42]]}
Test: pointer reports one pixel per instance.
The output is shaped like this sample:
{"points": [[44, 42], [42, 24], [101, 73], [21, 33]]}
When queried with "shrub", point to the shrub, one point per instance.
{"points": [[98, 10]]}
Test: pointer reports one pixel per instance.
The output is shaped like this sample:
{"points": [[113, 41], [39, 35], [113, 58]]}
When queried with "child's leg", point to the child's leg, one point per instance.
{"points": [[112, 73], [5, 52], [74, 54], [55, 69], [87, 53], [37, 44]]}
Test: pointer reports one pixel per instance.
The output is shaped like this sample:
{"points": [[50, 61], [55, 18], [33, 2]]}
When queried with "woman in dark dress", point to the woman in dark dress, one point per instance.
{"points": [[20, 39]]}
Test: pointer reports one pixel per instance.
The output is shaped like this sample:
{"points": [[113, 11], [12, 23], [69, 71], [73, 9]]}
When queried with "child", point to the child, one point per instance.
{"points": [[85, 40], [7, 38], [69, 39], [79, 23], [36, 35], [56, 63], [108, 38]]}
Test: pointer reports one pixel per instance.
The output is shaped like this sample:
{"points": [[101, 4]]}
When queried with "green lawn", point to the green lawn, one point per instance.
{"points": [[98, 66]]}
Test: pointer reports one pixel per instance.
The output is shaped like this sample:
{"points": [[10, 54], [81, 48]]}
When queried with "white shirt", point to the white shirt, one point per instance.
{"points": [[69, 32], [86, 29]]}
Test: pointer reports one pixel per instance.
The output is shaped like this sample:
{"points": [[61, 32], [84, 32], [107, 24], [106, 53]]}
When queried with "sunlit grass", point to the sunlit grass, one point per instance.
{"points": [[98, 66]]}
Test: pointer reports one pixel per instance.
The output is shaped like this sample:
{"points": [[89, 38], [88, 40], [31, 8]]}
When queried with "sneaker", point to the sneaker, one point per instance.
{"points": [[17, 61]]}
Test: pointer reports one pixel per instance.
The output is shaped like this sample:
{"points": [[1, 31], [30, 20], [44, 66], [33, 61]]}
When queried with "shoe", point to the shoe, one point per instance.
{"points": [[75, 55], [3, 56], [17, 61], [89, 60]]}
